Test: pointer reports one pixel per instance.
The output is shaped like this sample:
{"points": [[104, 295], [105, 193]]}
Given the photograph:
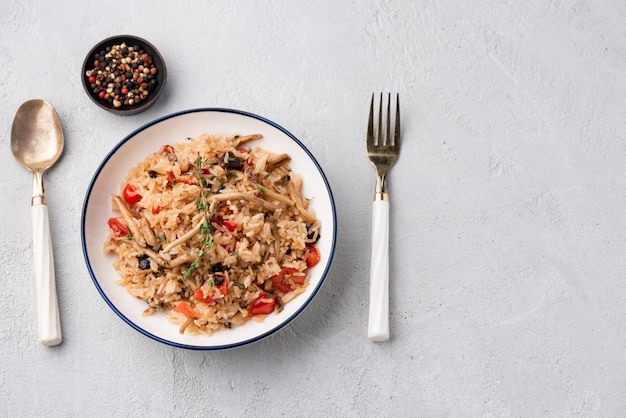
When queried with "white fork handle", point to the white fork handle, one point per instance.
{"points": [[48, 320], [378, 325]]}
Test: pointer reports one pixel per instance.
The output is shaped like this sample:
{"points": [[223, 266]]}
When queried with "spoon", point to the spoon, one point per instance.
{"points": [[37, 143]]}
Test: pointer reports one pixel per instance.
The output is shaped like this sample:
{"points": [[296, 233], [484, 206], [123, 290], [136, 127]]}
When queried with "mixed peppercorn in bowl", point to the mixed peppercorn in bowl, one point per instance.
{"points": [[124, 74]]}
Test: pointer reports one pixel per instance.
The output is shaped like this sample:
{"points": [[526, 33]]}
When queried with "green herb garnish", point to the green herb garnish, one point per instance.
{"points": [[202, 206]]}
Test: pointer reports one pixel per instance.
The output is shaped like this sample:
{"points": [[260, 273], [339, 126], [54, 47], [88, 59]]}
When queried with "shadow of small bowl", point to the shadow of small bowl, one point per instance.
{"points": [[129, 40]]}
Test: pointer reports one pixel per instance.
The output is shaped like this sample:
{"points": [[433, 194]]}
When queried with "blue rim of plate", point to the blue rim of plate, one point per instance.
{"points": [[217, 347]]}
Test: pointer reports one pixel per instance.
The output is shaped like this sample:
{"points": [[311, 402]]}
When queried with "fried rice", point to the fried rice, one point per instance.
{"points": [[213, 232]]}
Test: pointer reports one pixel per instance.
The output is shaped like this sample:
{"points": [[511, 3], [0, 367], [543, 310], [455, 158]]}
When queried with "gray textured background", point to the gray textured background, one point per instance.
{"points": [[508, 267]]}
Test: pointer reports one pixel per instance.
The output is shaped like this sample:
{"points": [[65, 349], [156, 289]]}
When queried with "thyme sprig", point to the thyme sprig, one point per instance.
{"points": [[202, 206]]}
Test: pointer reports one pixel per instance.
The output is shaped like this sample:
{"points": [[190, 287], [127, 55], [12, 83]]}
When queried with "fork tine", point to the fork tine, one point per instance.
{"points": [[387, 141], [370, 126], [379, 137], [396, 131]]}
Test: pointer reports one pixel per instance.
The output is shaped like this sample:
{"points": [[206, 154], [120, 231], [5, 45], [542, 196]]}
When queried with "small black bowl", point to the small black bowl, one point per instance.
{"points": [[154, 92]]}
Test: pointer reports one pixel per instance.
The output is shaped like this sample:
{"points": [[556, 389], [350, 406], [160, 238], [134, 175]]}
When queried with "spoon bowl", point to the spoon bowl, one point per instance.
{"points": [[37, 137], [37, 143]]}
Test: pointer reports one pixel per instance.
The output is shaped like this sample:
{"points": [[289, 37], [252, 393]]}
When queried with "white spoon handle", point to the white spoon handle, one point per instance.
{"points": [[378, 325], [47, 305]]}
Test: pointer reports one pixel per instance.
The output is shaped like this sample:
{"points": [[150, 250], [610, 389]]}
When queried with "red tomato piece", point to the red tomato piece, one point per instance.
{"points": [[312, 256], [186, 309], [130, 194], [166, 150], [230, 225], [224, 287], [199, 296], [118, 226], [288, 279], [219, 220], [156, 209], [262, 305]]}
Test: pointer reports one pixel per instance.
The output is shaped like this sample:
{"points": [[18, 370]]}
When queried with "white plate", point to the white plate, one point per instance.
{"points": [[176, 128]]}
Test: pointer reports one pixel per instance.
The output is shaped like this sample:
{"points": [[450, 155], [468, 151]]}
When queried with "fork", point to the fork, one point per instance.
{"points": [[383, 150]]}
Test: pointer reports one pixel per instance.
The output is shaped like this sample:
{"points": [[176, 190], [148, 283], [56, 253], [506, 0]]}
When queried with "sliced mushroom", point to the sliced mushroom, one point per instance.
{"points": [[185, 325], [153, 255], [147, 231], [188, 235], [247, 138], [131, 222], [180, 260], [276, 160], [267, 193], [299, 204]]}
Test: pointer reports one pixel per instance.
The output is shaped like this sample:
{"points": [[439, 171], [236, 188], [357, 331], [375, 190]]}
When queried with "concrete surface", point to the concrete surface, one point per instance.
{"points": [[507, 236]]}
